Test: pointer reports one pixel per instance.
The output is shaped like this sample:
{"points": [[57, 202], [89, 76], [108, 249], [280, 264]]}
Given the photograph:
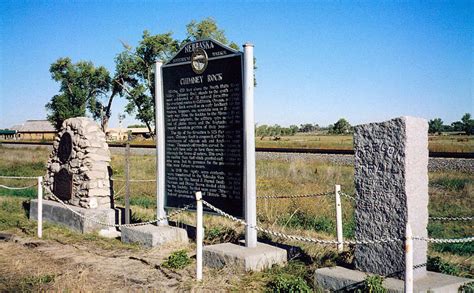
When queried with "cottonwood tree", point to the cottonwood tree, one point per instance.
{"points": [[341, 126], [435, 125], [134, 66], [82, 88]]}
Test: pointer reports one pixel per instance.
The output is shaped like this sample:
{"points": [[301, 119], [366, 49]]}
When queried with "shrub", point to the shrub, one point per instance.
{"points": [[177, 260]]}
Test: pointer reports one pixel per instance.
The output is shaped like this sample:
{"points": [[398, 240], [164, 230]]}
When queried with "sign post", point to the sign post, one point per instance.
{"points": [[160, 145], [250, 188]]}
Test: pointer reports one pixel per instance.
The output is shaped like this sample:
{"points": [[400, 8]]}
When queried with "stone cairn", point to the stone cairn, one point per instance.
{"points": [[78, 167]]}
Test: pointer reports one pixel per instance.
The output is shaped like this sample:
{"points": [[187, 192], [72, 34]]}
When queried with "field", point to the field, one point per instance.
{"points": [[451, 194], [438, 143]]}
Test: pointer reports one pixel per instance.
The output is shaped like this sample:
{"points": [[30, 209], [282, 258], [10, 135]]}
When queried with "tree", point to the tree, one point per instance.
{"points": [[134, 65], [82, 87], [467, 124], [341, 127], [435, 125]]}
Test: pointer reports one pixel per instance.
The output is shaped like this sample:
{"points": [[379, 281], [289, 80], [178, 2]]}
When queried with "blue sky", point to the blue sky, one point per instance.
{"points": [[317, 60]]}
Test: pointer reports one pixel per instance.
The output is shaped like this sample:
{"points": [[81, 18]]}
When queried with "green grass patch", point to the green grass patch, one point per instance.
{"points": [[177, 260], [25, 193], [454, 184], [294, 277]]}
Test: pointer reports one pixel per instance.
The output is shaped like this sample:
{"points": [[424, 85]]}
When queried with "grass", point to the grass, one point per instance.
{"points": [[451, 194]]}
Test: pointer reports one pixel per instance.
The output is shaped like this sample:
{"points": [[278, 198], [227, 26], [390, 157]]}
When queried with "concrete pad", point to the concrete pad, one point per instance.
{"points": [[339, 278], [55, 213], [151, 235], [110, 232], [249, 259]]}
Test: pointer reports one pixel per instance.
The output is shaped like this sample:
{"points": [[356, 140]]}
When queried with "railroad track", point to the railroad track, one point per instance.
{"points": [[456, 155]]}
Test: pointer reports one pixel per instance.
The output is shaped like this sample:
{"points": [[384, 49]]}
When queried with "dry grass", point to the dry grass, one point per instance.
{"points": [[438, 143], [451, 194]]}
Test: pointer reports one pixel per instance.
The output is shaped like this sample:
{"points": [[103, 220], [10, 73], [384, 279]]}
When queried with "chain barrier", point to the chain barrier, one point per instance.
{"points": [[17, 177], [440, 240], [174, 213], [351, 197], [451, 218], [334, 242], [297, 196], [133, 180], [17, 188], [295, 237]]}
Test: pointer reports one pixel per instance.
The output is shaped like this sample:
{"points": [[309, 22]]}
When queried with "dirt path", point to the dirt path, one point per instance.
{"points": [[31, 264]]}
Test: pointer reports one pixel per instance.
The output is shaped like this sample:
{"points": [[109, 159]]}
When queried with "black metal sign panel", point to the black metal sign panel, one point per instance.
{"points": [[204, 127], [62, 186]]}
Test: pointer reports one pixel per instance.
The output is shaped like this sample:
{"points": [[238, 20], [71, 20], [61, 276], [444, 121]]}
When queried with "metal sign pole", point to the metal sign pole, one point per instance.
{"points": [[249, 150], [160, 145]]}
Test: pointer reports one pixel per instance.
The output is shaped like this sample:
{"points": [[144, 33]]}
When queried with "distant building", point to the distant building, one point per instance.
{"points": [[120, 134], [35, 130]]}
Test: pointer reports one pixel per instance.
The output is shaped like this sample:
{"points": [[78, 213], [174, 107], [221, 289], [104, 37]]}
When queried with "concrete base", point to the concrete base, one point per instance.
{"points": [[151, 235], [249, 259], [55, 213], [342, 279]]}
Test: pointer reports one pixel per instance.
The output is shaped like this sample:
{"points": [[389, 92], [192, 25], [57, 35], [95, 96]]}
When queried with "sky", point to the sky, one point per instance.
{"points": [[317, 61]]}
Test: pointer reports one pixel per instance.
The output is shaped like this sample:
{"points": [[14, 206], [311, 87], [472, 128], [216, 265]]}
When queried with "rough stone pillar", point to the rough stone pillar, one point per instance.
{"points": [[391, 178]]}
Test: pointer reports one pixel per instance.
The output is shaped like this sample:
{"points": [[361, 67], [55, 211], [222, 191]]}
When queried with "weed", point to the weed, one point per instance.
{"points": [[177, 260], [287, 283], [436, 264], [467, 288], [373, 284], [219, 234]]}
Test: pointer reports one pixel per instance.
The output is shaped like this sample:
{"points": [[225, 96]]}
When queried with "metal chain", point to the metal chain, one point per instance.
{"points": [[451, 218], [174, 213], [297, 196], [351, 197], [439, 240], [17, 188], [133, 180], [295, 237], [18, 177], [324, 241]]}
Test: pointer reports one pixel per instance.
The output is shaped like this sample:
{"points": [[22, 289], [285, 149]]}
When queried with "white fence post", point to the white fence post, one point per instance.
{"points": [[340, 245], [250, 188], [408, 260], [199, 235], [40, 207]]}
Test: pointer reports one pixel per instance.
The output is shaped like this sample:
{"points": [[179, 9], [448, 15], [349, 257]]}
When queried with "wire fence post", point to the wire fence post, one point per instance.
{"points": [[40, 207], [408, 259], [199, 235], [340, 245], [127, 180]]}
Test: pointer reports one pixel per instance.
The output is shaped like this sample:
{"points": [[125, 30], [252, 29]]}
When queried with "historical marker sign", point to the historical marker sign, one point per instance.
{"points": [[203, 113]]}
